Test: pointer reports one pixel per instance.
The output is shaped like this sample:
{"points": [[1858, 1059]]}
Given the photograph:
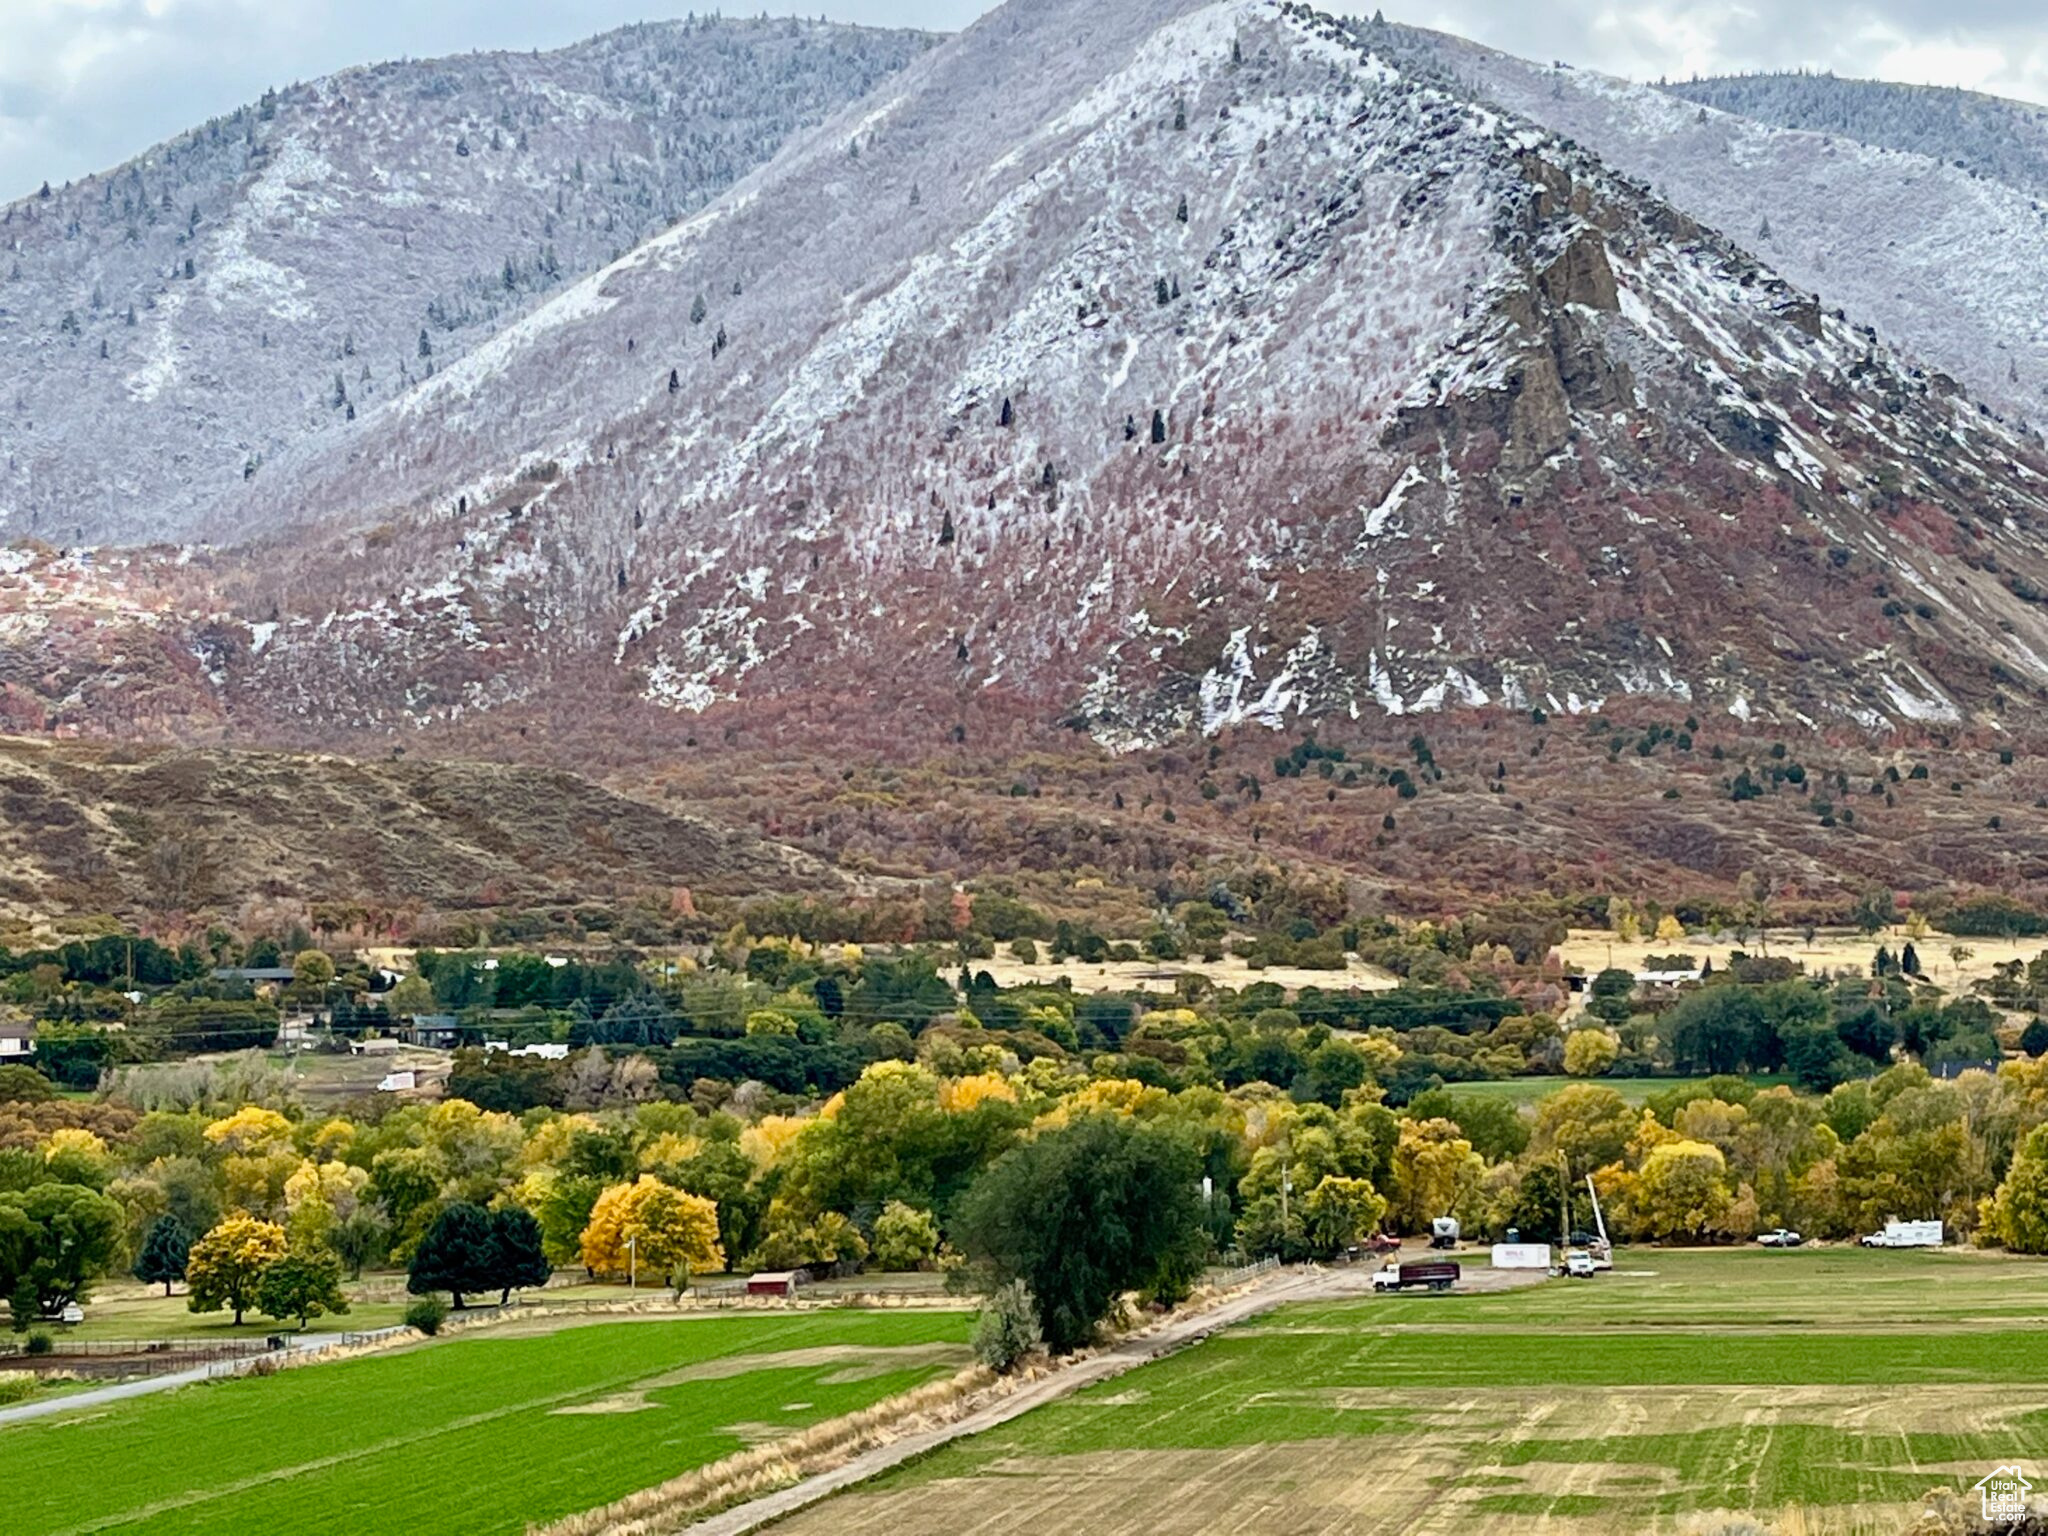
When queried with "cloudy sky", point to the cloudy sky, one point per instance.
{"points": [[84, 84]]}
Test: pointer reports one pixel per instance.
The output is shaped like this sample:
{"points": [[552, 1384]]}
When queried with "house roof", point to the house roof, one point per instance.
{"points": [[17, 1029], [1949, 1071]]}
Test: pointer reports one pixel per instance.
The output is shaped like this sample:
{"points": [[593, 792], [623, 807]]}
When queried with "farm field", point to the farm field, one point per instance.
{"points": [[464, 1436], [1527, 1090], [1820, 1391], [1161, 975], [1592, 949]]}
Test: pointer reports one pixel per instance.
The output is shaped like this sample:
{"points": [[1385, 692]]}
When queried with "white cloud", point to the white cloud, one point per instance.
{"points": [[1999, 46]]}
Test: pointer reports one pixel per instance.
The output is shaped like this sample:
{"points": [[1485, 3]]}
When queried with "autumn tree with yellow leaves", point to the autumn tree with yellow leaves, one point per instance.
{"points": [[650, 1227], [226, 1266]]}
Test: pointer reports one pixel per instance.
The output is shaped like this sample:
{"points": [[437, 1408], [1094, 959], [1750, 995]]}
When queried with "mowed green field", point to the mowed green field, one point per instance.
{"points": [[1824, 1391], [464, 1435], [1527, 1090], [125, 1311]]}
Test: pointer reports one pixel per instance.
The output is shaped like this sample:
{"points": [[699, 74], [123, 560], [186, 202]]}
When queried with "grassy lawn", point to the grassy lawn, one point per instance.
{"points": [[475, 1435], [1835, 1383], [1837, 1287], [1527, 1090], [123, 1310]]}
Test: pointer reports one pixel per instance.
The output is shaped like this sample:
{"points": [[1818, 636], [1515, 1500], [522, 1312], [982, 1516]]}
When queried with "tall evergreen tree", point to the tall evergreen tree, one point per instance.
{"points": [[517, 1259], [457, 1254], [165, 1248]]}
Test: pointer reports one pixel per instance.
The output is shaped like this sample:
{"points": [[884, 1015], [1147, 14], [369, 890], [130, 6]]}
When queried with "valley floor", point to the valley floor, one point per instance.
{"points": [[467, 1435], [1823, 1391]]}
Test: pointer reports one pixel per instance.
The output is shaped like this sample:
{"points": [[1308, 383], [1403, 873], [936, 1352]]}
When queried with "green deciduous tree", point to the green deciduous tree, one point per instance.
{"points": [[1084, 1213], [362, 1238], [1007, 1329], [2019, 1212], [55, 1240], [905, 1237], [305, 1283], [1340, 1212]]}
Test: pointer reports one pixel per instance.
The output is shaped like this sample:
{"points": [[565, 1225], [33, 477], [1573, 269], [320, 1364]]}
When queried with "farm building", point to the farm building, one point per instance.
{"points": [[255, 975], [781, 1282], [1669, 980], [442, 1030], [17, 1039]]}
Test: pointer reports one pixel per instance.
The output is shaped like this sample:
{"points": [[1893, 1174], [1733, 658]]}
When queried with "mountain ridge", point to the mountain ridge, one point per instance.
{"points": [[175, 323], [1944, 259], [1221, 371]]}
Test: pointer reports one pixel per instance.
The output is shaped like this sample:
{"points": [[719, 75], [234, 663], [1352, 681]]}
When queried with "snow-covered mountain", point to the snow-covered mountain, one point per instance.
{"points": [[1988, 135], [1921, 212], [170, 326], [1151, 367]]}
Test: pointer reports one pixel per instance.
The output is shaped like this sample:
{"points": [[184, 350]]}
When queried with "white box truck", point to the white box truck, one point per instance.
{"points": [[1521, 1256], [1905, 1234]]}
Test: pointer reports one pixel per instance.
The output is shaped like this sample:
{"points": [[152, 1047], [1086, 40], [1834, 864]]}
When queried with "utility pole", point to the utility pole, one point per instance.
{"points": [[1564, 1169], [632, 1263]]}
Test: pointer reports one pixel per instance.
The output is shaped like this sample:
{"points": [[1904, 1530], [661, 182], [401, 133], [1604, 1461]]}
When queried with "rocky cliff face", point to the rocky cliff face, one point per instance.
{"points": [[1921, 212], [1154, 369]]}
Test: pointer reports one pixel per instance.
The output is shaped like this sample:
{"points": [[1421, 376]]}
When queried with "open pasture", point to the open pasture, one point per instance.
{"points": [[464, 1436], [1635, 1090], [1818, 1391]]}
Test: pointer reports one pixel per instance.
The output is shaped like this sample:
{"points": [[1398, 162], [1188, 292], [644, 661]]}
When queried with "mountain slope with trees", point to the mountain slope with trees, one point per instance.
{"points": [[1923, 213], [175, 834], [1282, 379], [170, 326]]}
